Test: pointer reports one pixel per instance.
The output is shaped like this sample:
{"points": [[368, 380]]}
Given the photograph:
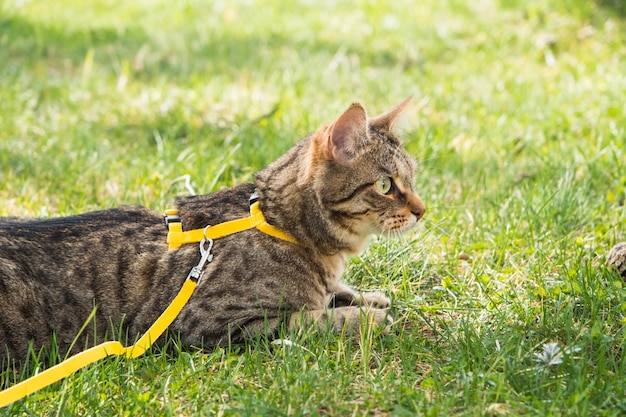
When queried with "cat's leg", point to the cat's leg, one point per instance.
{"points": [[351, 319], [343, 295]]}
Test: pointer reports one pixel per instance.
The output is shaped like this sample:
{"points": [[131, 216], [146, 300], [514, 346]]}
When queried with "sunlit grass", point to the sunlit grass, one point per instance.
{"points": [[502, 302]]}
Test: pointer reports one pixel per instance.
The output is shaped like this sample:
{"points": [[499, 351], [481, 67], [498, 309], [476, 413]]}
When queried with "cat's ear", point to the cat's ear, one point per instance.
{"points": [[386, 120], [345, 134]]}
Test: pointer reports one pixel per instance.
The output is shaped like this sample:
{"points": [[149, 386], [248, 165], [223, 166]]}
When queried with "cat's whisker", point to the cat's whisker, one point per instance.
{"points": [[436, 227], [431, 208], [436, 158]]}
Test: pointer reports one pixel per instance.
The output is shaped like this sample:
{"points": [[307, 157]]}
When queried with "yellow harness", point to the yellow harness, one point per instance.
{"points": [[175, 238]]}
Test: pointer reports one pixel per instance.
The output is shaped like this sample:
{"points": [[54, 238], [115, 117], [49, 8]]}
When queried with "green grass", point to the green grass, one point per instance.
{"points": [[519, 126]]}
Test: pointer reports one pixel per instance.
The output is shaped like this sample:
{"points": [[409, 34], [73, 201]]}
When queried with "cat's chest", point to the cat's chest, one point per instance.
{"points": [[334, 266]]}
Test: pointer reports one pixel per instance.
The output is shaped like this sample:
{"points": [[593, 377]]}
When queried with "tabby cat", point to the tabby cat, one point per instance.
{"points": [[332, 190]]}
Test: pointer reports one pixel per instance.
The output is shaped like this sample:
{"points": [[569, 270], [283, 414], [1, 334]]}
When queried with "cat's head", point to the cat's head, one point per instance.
{"points": [[363, 176]]}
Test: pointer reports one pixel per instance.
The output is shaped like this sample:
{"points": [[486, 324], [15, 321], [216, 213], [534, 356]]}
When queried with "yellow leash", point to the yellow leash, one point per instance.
{"points": [[100, 351], [175, 238]]}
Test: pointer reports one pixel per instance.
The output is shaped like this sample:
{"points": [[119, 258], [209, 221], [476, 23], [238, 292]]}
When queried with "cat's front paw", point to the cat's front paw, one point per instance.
{"points": [[352, 320], [381, 319], [375, 299], [356, 320]]}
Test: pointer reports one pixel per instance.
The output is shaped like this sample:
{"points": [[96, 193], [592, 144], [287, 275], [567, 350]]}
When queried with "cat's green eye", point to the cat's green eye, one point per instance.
{"points": [[383, 185]]}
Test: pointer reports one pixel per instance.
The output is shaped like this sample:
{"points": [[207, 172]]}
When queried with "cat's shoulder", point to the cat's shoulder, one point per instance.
{"points": [[220, 206]]}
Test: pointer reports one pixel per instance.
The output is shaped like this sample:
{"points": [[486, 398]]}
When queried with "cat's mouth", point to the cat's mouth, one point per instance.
{"points": [[398, 225]]}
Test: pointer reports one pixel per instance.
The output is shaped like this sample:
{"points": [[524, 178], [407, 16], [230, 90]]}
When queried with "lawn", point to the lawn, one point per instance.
{"points": [[502, 300]]}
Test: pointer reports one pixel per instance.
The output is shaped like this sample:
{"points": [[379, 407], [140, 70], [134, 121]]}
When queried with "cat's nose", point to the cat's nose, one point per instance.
{"points": [[417, 207]]}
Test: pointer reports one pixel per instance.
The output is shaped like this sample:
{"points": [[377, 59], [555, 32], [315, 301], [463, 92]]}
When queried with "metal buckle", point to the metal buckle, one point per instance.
{"points": [[206, 257], [254, 197], [171, 216]]}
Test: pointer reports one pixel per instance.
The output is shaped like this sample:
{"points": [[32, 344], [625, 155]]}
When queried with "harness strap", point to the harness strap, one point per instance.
{"points": [[176, 237]]}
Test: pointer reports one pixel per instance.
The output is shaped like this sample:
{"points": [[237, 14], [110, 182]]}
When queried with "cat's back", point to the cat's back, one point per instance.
{"points": [[78, 225], [76, 237], [53, 270]]}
